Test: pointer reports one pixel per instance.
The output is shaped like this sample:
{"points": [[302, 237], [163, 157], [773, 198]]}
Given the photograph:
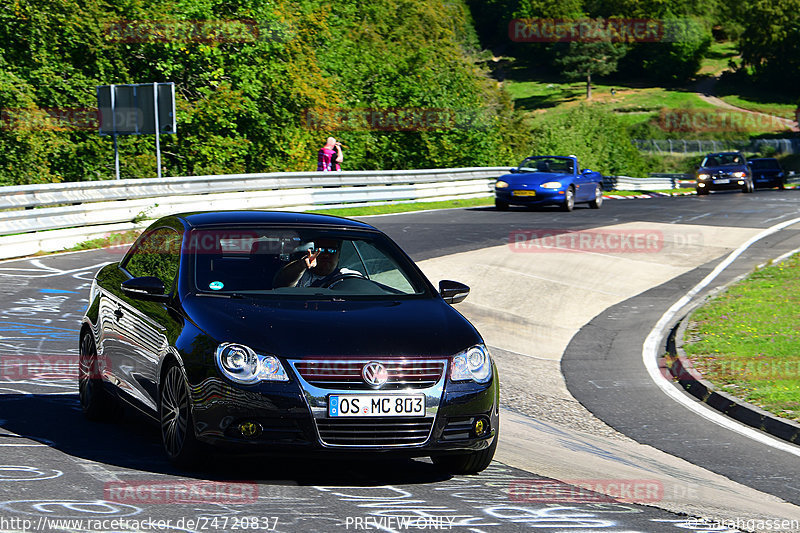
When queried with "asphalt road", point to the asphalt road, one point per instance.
{"points": [[56, 465]]}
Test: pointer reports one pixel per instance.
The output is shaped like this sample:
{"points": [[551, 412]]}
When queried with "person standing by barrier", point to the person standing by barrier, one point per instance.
{"points": [[329, 159]]}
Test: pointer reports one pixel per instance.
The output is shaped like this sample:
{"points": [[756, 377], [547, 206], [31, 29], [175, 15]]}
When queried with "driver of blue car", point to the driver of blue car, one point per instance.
{"points": [[317, 268]]}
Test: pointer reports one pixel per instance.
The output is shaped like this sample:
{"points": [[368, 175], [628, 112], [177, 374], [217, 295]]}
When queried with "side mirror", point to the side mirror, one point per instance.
{"points": [[514, 170], [453, 292], [586, 171], [144, 288]]}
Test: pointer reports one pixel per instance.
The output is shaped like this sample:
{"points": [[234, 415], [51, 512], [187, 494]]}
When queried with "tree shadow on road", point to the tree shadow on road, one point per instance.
{"points": [[132, 442]]}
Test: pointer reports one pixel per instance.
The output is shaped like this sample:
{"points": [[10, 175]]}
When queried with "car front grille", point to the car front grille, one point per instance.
{"points": [[346, 374], [399, 431]]}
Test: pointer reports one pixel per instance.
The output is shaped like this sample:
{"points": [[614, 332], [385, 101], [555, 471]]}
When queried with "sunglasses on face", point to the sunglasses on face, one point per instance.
{"points": [[324, 250]]}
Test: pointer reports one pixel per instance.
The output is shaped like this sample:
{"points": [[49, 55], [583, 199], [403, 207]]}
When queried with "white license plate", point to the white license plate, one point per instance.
{"points": [[722, 181], [376, 405]]}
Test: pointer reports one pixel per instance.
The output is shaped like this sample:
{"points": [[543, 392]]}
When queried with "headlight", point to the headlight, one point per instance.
{"points": [[243, 365], [703, 176], [739, 174], [500, 184], [472, 364], [551, 185]]}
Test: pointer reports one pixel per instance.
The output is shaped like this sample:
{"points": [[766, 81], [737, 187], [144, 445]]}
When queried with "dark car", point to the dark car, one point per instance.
{"points": [[549, 180], [283, 332], [724, 171], [767, 172]]}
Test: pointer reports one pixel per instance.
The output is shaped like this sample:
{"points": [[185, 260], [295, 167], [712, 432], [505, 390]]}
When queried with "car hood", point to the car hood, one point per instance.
{"points": [[533, 178], [297, 329], [728, 169]]}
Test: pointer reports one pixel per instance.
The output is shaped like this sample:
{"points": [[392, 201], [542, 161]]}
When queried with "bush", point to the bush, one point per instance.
{"points": [[597, 137]]}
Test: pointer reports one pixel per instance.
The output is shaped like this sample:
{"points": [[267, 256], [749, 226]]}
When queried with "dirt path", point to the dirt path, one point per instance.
{"points": [[705, 90]]}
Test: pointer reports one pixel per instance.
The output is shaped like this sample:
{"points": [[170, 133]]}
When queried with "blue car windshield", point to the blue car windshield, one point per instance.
{"points": [[722, 160], [297, 262], [547, 164]]}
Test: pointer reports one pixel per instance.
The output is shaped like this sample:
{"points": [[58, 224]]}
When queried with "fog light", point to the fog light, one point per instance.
{"points": [[741, 182], [480, 427], [250, 429], [701, 184]]}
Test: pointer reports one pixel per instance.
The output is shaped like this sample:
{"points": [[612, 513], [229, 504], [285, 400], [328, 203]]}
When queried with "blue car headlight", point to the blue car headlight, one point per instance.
{"points": [[551, 185], [500, 184], [472, 364], [242, 365]]}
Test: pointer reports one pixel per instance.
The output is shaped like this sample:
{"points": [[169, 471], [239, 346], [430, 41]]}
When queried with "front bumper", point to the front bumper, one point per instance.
{"points": [[723, 184], [530, 196], [292, 418], [768, 181]]}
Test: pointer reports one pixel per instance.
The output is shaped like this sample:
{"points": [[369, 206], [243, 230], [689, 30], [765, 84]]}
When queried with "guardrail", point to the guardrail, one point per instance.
{"points": [[656, 181], [50, 217]]}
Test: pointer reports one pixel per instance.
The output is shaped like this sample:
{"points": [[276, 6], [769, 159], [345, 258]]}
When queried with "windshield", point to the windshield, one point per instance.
{"points": [[547, 164], [298, 263], [722, 160], [765, 164]]}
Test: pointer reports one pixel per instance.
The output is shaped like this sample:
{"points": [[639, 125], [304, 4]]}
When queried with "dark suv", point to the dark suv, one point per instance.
{"points": [[724, 170], [767, 172]]}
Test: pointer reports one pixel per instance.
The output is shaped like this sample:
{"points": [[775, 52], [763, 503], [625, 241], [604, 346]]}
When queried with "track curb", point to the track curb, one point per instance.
{"points": [[684, 373]]}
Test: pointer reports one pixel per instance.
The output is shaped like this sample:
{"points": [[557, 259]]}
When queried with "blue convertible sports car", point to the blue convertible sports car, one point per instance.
{"points": [[549, 180]]}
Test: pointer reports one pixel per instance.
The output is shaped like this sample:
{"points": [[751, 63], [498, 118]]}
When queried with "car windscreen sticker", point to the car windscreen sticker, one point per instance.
{"points": [[215, 285]]}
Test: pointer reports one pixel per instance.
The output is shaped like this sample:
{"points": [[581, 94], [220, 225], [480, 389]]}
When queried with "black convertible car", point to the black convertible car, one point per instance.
{"points": [[275, 332]]}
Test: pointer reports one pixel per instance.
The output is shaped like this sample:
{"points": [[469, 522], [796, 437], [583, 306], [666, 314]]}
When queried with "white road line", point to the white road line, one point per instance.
{"points": [[45, 271], [650, 350]]}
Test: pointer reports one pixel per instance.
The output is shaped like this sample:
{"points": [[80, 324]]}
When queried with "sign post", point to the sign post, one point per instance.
{"points": [[138, 109]]}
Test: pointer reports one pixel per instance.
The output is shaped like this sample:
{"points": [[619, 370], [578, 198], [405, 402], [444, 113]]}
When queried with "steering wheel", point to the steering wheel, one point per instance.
{"points": [[341, 277]]}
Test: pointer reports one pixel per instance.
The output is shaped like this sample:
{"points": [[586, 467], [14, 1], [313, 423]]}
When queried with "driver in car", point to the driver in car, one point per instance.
{"points": [[317, 268]]}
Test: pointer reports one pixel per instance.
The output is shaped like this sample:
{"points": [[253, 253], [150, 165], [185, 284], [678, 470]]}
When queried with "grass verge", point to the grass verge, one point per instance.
{"points": [[746, 342], [404, 207], [113, 239]]}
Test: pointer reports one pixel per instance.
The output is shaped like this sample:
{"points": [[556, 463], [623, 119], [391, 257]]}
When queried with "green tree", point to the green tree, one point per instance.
{"points": [[770, 43], [597, 137], [583, 59]]}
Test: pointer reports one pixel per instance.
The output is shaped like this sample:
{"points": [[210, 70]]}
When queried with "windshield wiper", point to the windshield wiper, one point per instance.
{"points": [[221, 294]]}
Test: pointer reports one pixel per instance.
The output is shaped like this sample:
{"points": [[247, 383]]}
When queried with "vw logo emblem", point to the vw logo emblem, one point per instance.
{"points": [[375, 375]]}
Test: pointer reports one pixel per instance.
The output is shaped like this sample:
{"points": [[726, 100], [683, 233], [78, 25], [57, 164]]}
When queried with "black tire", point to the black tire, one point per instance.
{"points": [[175, 416], [96, 402], [467, 463], [598, 198], [569, 200], [748, 187], [702, 192], [782, 186], [500, 205]]}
